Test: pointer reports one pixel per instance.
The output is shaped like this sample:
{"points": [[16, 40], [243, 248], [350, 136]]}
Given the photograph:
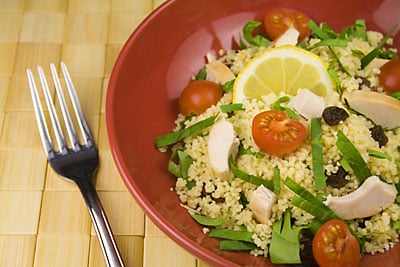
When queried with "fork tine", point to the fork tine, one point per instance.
{"points": [[83, 126], [53, 114], [64, 110], [40, 118]]}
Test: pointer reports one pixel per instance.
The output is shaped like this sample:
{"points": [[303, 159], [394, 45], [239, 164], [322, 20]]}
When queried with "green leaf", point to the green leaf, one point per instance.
{"points": [[336, 59], [332, 73], [202, 74], [353, 157], [378, 154], [277, 180], [231, 107], [309, 203], [317, 154], [258, 39], [317, 31], [239, 235], [235, 245], [174, 137], [356, 30], [185, 161], [377, 51], [277, 105], [285, 242], [227, 86], [250, 178], [207, 221], [396, 225], [174, 168], [330, 42]]}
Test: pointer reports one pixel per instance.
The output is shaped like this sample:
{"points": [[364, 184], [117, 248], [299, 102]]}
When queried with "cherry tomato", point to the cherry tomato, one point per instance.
{"points": [[198, 96], [389, 77], [276, 134], [334, 246], [278, 20]]}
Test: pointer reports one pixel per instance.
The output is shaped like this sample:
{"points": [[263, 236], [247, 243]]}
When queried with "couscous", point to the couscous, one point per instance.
{"points": [[205, 193]]}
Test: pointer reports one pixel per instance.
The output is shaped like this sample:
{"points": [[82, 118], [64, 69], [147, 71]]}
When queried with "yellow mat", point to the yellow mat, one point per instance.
{"points": [[43, 219]]}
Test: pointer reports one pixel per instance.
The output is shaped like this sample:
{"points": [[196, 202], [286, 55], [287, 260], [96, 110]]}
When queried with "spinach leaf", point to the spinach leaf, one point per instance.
{"points": [[239, 235], [257, 39], [309, 203], [231, 107], [277, 180], [226, 87], [250, 178], [174, 137], [378, 50], [202, 74], [317, 153], [353, 157], [285, 242], [378, 154], [184, 162], [277, 105], [207, 221]]}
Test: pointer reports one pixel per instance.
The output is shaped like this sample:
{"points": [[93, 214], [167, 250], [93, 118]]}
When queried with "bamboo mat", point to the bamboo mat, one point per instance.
{"points": [[43, 218]]}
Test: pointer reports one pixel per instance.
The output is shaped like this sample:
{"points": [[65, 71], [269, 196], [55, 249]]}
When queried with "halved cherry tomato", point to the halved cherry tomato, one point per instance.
{"points": [[276, 134], [278, 20], [334, 246], [198, 96], [389, 77]]}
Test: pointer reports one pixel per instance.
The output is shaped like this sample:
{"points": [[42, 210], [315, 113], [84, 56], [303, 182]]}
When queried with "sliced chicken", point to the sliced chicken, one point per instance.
{"points": [[382, 109], [261, 202], [307, 104], [289, 37], [219, 73], [370, 198], [222, 144]]}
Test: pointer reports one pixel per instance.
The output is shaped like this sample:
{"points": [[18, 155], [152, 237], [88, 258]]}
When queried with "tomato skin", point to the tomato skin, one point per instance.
{"points": [[334, 246], [389, 76], [278, 20], [199, 95], [276, 134]]}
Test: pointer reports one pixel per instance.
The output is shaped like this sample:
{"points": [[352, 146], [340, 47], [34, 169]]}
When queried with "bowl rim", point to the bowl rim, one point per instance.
{"points": [[140, 199], [169, 229]]}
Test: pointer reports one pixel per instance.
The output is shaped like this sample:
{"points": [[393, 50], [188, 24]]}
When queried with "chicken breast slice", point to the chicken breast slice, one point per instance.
{"points": [[261, 202], [219, 73], [289, 37], [370, 198], [222, 144], [307, 104]]}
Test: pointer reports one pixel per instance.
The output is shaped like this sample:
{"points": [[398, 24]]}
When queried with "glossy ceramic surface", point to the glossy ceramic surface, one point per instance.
{"points": [[157, 62]]}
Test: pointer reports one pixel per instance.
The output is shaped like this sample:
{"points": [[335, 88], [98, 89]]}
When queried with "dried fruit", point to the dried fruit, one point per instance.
{"points": [[379, 135], [333, 115]]}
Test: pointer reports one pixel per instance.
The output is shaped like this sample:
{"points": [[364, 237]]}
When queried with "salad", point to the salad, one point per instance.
{"points": [[287, 147]]}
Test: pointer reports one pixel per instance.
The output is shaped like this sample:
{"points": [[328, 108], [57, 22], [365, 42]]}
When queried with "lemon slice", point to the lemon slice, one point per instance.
{"points": [[285, 68]]}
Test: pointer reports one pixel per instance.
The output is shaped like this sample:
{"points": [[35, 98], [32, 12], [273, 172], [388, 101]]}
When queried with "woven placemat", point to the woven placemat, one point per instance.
{"points": [[43, 218]]}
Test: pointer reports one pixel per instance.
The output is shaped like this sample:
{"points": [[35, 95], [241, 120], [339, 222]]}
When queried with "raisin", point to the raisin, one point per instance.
{"points": [[379, 135], [333, 115], [338, 179]]}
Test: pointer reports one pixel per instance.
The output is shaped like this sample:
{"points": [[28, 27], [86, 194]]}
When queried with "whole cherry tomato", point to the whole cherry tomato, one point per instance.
{"points": [[389, 76], [198, 96], [276, 134], [278, 20], [334, 246]]}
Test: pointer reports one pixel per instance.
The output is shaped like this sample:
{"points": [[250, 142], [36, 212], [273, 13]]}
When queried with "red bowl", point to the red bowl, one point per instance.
{"points": [[153, 67]]}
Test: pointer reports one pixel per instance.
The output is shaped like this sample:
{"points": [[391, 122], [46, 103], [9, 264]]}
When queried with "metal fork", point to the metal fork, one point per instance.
{"points": [[73, 160]]}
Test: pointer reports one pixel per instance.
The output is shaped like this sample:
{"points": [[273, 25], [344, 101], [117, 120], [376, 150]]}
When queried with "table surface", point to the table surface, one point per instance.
{"points": [[43, 218]]}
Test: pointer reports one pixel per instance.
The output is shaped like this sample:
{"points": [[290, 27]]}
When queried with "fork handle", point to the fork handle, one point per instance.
{"points": [[103, 230]]}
